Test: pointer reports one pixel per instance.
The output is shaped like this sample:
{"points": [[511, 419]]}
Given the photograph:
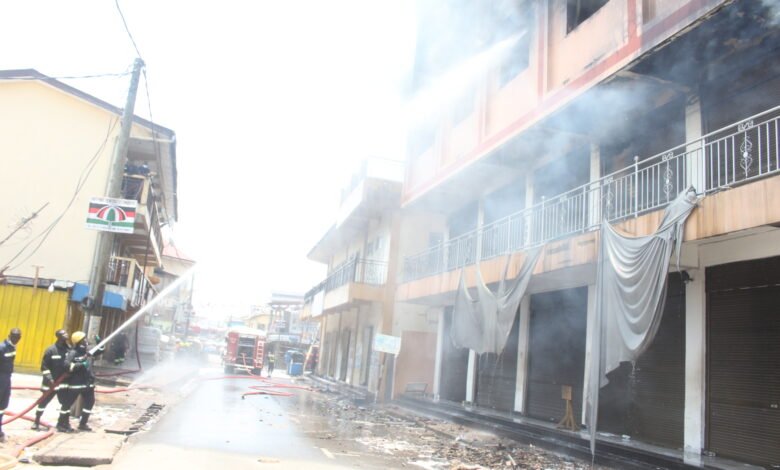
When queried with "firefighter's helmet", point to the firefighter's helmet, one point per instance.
{"points": [[77, 337]]}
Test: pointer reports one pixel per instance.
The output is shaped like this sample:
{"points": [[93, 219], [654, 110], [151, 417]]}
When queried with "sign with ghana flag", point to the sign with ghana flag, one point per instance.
{"points": [[111, 215]]}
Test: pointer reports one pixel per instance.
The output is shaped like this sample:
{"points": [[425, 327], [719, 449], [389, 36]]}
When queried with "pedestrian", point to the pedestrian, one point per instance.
{"points": [[52, 369], [271, 361], [7, 356], [81, 383]]}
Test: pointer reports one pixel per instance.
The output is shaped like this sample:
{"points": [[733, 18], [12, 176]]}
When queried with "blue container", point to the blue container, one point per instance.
{"points": [[295, 368]]}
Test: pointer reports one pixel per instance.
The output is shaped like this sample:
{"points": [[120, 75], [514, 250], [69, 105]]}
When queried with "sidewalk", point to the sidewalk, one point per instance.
{"points": [[116, 415]]}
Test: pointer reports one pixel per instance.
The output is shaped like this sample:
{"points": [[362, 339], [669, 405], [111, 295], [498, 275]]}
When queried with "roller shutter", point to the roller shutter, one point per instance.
{"points": [[743, 361], [497, 375], [556, 352], [648, 402], [454, 365]]}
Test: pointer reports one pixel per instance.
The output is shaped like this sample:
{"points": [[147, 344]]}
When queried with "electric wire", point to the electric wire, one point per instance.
{"points": [[67, 77], [83, 176], [127, 29]]}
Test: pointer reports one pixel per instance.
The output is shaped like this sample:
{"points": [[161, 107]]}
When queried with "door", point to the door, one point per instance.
{"points": [[647, 401], [497, 375], [556, 352], [454, 365], [344, 354], [743, 361]]}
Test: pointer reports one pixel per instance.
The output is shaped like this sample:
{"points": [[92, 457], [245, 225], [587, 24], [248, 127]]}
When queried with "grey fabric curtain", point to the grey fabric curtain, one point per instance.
{"points": [[483, 323], [630, 295]]}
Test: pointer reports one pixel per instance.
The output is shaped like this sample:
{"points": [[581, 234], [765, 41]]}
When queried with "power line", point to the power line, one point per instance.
{"points": [[67, 77], [85, 172], [127, 29]]}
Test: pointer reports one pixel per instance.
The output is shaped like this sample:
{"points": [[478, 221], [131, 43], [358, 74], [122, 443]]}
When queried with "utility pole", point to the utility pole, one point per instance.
{"points": [[113, 189]]}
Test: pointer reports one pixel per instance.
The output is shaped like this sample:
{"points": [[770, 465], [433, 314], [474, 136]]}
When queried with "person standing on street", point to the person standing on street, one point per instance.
{"points": [[52, 368], [7, 356], [271, 361], [81, 382]]}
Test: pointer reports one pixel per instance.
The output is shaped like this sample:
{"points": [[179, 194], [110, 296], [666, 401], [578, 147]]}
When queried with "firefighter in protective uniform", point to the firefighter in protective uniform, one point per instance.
{"points": [[81, 382], [7, 356], [52, 368]]}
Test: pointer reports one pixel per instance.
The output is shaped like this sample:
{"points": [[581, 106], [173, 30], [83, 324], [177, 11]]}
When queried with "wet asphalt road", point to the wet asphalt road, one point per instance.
{"points": [[215, 428]]}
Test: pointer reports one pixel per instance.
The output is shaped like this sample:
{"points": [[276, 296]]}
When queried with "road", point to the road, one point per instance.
{"points": [[214, 427]]}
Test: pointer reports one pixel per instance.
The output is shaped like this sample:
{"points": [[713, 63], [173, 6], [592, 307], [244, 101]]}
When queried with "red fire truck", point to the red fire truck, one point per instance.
{"points": [[244, 349]]}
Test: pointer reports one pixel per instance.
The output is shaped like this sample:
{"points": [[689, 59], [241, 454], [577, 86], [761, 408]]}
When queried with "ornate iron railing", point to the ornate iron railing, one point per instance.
{"points": [[736, 154], [360, 270]]}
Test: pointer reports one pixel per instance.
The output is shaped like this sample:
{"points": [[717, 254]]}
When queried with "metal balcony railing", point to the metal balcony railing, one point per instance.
{"points": [[734, 155], [126, 273], [364, 271]]}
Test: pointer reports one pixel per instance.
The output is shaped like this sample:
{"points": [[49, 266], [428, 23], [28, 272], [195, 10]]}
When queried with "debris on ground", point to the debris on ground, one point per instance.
{"points": [[421, 442]]}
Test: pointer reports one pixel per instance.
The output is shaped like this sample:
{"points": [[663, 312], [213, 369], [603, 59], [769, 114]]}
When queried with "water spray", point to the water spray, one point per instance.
{"points": [[174, 285]]}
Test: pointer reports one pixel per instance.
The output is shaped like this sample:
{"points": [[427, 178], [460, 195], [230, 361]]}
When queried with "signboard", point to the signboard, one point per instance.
{"points": [[111, 215], [387, 344]]}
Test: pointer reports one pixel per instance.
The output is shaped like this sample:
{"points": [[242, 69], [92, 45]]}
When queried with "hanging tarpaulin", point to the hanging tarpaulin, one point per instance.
{"points": [[630, 294], [484, 323]]}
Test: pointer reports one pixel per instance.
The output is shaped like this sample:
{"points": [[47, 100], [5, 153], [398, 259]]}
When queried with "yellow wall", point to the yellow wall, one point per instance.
{"points": [[47, 137], [38, 313]]}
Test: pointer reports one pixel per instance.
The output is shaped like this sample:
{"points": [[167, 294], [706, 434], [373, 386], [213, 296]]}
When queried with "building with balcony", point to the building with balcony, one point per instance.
{"points": [[57, 147], [592, 111], [355, 300]]}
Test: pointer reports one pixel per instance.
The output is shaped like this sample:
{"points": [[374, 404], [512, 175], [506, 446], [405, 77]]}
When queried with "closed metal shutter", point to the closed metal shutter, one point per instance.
{"points": [[497, 375], [743, 361], [556, 352], [454, 365], [648, 402]]}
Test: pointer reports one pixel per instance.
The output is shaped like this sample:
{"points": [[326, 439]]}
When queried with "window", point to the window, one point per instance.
{"points": [[516, 60], [463, 107], [578, 11]]}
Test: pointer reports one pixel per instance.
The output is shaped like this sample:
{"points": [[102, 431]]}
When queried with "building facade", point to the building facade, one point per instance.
{"points": [[354, 302], [57, 147], [583, 111]]}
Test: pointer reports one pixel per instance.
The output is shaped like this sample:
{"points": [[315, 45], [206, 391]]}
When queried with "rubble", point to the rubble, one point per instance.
{"points": [[423, 442]]}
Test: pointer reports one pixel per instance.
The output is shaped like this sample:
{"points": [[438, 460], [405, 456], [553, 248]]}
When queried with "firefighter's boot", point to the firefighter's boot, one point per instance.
{"points": [[83, 426], [37, 424], [63, 423]]}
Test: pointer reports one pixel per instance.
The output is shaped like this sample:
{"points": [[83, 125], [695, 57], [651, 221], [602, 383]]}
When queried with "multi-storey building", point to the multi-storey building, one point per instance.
{"points": [[354, 302], [57, 143], [592, 110]]}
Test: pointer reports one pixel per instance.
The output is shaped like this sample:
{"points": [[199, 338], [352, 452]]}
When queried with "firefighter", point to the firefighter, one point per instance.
{"points": [[271, 361], [52, 368], [81, 382], [7, 356]]}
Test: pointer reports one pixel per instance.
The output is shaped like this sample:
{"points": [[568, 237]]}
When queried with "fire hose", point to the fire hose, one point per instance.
{"points": [[34, 440]]}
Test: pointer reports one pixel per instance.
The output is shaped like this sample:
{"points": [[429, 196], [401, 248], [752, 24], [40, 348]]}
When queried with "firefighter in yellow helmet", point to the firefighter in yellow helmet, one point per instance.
{"points": [[81, 382]]}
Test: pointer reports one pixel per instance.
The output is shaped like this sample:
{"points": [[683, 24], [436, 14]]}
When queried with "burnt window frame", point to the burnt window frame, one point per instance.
{"points": [[573, 22], [510, 68]]}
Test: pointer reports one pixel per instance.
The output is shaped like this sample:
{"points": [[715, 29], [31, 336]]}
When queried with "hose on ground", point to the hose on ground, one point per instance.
{"points": [[33, 440], [52, 389]]}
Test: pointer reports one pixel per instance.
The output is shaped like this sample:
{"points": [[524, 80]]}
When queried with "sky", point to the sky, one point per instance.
{"points": [[274, 104]]}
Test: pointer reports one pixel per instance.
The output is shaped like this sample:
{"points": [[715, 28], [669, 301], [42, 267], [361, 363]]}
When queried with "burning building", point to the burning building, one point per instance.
{"points": [[539, 121]]}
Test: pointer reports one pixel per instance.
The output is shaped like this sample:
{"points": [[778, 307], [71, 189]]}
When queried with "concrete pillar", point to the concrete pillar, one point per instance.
{"points": [[695, 367], [694, 160], [471, 377], [439, 352], [591, 324], [594, 195], [523, 342]]}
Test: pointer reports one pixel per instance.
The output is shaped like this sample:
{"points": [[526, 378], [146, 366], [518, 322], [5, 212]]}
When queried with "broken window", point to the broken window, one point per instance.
{"points": [[578, 11]]}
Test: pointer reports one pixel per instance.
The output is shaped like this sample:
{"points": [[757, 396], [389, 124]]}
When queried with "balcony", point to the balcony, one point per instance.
{"points": [[126, 277], [358, 280], [735, 155], [148, 240]]}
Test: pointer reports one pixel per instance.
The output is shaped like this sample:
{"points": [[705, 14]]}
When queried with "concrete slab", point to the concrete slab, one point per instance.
{"points": [[81, 450]]}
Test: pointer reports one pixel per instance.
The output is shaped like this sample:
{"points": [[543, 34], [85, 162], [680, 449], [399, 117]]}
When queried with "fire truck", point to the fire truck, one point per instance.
{"points": [[244, 349]]}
